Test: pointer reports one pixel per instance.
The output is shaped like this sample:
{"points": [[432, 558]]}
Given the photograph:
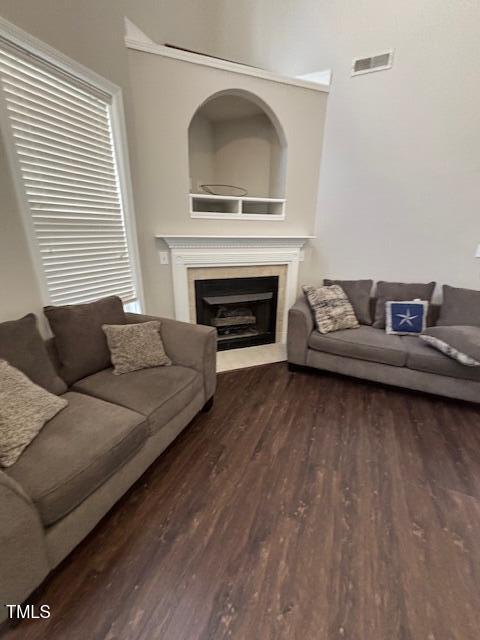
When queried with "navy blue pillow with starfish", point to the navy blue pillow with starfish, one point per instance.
{"points": [[406, 317]]}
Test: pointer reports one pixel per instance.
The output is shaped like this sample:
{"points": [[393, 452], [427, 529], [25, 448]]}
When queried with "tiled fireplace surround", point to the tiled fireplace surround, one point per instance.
{"points": [[205, 257]]}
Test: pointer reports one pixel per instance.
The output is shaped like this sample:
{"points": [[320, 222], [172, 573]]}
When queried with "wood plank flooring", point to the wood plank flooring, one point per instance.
{"points": [[304, 506]]}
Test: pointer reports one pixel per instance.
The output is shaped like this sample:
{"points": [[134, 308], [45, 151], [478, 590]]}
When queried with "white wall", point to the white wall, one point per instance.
{"points": [[400, 179], [399, 185]]}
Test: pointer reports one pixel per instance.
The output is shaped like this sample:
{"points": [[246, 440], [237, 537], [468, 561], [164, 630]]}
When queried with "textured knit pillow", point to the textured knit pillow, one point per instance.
{"points": [[136, 346], [24, 409], [331, 308], [460, 343], [80, 342]]}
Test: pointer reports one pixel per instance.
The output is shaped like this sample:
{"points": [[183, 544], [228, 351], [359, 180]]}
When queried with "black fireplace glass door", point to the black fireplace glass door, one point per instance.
{"points": [[243, 310]]}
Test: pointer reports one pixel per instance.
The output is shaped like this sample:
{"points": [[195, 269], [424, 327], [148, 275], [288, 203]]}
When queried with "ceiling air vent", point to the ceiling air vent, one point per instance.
{"points": [[373, 63]]}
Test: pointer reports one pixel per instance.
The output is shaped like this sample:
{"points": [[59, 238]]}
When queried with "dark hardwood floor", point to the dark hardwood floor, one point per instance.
{"points": [[304, 506]]}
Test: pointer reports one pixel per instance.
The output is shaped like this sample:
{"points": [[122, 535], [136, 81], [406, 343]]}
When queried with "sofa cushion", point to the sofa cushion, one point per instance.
{"points": [[79, 338], [358, 293], [421, 357], [364, 343], [23, 347], [76, 452], [459, 307], [460, 343], [399, 291], [158, 393]]}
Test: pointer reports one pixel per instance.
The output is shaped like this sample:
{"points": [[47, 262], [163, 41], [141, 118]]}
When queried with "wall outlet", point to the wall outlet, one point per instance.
{"points": [[164, 257]]}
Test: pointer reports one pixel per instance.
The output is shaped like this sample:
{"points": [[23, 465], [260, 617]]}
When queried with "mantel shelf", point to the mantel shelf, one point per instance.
{"points": [[208, 196], [237, 242]]}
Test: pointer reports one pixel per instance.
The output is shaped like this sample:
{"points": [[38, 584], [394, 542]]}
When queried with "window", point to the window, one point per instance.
{"points": [[62, 134]]}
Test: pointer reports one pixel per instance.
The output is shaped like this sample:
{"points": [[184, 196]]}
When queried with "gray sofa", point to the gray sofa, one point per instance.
{"points": [[371, 354], [87, 456]]}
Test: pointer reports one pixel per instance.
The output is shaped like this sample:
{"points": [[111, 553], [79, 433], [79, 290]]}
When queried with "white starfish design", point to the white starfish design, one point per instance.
{"points": [[406, 318]]}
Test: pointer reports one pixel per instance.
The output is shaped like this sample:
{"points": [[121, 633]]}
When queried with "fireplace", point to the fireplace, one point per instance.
{"points": [[243, 310]]}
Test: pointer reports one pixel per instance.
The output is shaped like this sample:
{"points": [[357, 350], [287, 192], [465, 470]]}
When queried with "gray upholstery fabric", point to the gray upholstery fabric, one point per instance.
{"points": [[23, 347], [157, 393], [189, 345], [23, 556], [399, 291], [76, 452], [358, 292], [423, 357], [300, 326], [433, 314], [460, 343], [397, 376], [65, 534], [364, 343], [459, 307], [79, 338]]}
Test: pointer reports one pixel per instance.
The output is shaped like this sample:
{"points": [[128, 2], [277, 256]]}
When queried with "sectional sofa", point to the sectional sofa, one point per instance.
{"points": [[87, 456]]}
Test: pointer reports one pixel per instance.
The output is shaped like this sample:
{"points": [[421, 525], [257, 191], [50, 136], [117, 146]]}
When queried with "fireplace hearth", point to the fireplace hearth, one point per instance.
{"points": [[243, 310]]}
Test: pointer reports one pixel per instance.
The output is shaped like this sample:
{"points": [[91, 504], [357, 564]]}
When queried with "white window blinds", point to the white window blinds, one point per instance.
{"points": [[62, 132]]}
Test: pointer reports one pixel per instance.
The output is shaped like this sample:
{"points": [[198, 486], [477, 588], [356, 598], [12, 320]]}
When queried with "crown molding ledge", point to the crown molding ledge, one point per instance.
{"points": [[234, 242], [217, 63]]}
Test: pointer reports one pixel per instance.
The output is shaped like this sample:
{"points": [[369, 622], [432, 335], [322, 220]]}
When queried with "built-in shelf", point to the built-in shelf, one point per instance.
{"points": [[203, 205]]}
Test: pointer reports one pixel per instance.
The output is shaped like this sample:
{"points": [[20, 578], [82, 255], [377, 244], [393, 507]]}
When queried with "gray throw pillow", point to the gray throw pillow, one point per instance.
{"points": [[23, 347], [79, 338], [24, 409], [358, 293], [397, 291], [136, 346], [462, 343], [459, 307], [331, 308]]}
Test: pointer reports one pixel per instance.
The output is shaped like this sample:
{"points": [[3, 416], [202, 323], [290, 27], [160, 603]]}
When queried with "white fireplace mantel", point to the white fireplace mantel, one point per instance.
{"points": [[236, 242], [189, 251]]}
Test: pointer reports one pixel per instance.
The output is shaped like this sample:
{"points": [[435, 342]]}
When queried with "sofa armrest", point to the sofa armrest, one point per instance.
{"points": [[23, 554], [300, 326], [190, 345]]}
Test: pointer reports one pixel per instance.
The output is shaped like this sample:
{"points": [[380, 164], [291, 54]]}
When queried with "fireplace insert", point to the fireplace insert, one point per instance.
{"points": [[243, 310]]}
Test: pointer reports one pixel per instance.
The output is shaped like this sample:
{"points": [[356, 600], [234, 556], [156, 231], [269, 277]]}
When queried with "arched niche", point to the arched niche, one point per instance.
{"points": [[235, 138]]}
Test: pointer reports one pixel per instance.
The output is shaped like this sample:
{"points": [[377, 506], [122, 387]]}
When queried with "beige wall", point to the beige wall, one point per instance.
{"points": [[83, 32], [201, 152], [399, 191], [166, 94], [91, 32], [243, 149]]}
